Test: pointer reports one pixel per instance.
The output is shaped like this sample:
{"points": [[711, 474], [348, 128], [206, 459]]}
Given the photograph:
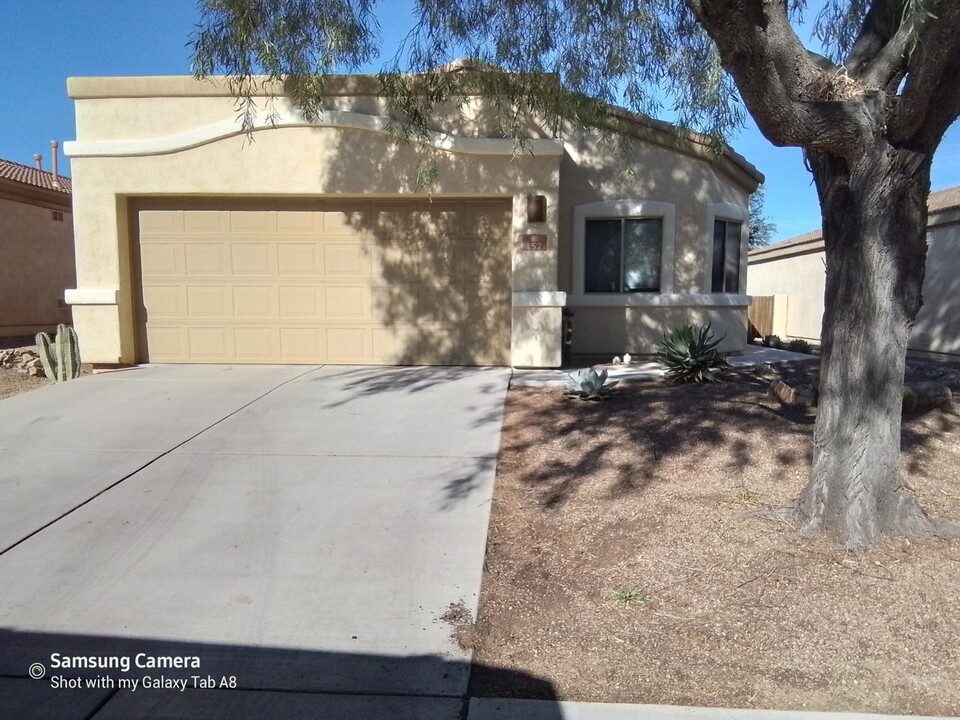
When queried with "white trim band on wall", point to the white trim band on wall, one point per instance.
{"points": [[196, 137], [658, 300], [539, 299], [91, 296]]}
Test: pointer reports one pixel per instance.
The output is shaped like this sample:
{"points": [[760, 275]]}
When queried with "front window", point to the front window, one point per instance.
{"points": [[726, 256], [622, 255]]}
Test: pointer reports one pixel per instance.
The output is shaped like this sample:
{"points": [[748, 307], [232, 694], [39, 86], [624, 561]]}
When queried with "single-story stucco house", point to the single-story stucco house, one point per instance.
{"points": [[309, 243], [793, 272], [36, 248]]}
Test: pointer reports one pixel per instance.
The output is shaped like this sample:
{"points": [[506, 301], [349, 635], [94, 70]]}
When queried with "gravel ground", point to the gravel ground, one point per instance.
{"points": [[627, 561], [13, 382]]}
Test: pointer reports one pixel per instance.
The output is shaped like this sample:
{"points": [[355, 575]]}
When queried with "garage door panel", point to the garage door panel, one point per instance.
{"points": [[300, 344], [438, 344], [346, 221], [346, 344], [346, 302], [382, 283], [299, 222], [162, 259], [256, 344], [346, 259], [198, 222], [207, 259], [253, 260], [254, 302], [397, 303], [167, 344], [208, 301], [165, 301], [209, 342], [250, 221], [162, 222], [299, 259], [299, 302], [398, 344]]}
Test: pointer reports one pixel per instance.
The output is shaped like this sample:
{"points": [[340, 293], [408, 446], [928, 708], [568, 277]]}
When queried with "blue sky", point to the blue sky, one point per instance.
{"points": [[43, 42]]}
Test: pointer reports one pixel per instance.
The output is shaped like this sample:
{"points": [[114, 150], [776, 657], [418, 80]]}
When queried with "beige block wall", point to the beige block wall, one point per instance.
{"points": [[36, 266], [800, 276], [801, 279], [937, 327]]}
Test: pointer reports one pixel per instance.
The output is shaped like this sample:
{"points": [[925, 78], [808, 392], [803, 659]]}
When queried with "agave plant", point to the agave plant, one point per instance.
{"points": [[690, 354], [590, 384]]}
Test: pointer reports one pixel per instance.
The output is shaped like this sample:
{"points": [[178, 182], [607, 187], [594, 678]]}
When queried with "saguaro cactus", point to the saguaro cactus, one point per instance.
{"points": [[61, 356]]}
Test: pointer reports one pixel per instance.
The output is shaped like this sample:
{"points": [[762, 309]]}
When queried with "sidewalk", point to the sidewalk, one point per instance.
{"points": [[647, 368], [496, 709]]}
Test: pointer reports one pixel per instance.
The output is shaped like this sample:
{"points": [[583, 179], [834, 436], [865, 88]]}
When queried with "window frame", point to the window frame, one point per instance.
{"points": [[727, 212], [622, 222], [624, 209]]}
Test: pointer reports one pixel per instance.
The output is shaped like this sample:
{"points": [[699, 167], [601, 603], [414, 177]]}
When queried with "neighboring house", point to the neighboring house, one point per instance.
{"points": [[794, 272], [36, 249], [308, 243]]}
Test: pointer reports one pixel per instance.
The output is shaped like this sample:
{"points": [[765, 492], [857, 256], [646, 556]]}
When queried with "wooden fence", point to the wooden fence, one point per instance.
{"points": [[760, 316]]}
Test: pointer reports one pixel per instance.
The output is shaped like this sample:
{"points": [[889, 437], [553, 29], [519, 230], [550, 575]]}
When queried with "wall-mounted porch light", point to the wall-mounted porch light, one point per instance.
{"points": [[536, 209]]}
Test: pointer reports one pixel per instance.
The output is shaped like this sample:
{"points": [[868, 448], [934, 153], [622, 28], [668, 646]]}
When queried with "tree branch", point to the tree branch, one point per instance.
{"points": [[891, 61], [777, 76], [879, 26], [930, 101]]}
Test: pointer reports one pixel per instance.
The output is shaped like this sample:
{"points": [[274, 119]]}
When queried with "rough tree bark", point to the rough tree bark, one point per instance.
{"points": [[869, 128], [874, 229]]}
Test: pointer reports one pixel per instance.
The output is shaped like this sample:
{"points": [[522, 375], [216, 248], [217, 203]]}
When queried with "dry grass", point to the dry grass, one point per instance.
{"points": [[661, 491]]}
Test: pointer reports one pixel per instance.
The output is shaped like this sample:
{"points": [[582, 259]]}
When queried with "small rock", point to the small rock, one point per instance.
{"points": [[799, 396], [36, 371], [617, 360], [627, 358]]}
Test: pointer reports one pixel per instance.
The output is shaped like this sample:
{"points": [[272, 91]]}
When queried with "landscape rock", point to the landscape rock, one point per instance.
{"points": [[930, 394], [799, 396]]}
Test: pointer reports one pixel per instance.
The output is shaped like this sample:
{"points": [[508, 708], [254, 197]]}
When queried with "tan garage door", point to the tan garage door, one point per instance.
{"points": [[379, 283]]}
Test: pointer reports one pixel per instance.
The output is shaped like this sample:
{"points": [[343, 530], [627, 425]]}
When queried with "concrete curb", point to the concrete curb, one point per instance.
{"points": [[501, 709]]}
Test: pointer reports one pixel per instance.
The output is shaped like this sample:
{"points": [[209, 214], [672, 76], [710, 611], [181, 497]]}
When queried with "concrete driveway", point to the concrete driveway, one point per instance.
{"points": [[298, 530]]}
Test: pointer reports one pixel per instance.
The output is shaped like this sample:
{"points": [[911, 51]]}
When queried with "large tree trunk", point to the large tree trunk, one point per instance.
{"points": [[874, 230]]}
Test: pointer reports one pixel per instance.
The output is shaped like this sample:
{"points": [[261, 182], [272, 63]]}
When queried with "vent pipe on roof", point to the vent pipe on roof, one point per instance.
{"points": [[37, 161], [53, 151]]}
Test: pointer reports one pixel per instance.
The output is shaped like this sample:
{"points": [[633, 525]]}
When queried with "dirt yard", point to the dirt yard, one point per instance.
{"points": [[624, 564], [13, 382]]}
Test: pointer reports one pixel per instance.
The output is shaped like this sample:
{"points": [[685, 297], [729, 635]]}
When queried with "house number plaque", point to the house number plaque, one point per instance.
{"points": [[533, 243]]}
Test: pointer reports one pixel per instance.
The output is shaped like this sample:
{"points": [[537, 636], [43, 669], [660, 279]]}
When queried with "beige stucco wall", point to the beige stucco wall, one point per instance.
{"points": [[187, 145], [36, 266], [593, 172], [799, 274], [800, 277]]}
